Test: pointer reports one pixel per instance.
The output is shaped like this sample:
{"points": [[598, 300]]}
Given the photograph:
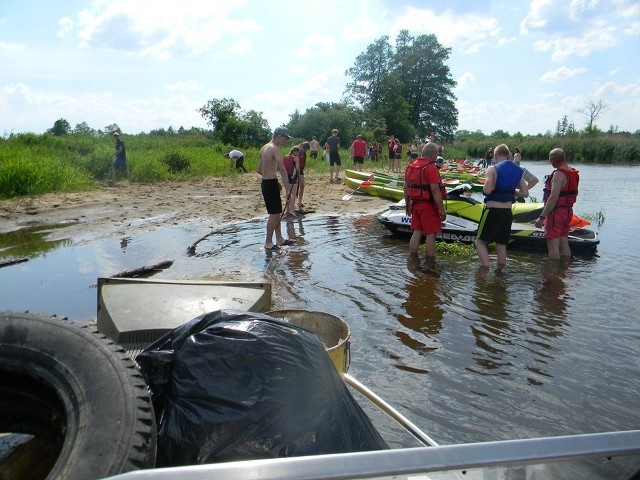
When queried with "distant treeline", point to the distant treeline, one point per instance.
{"points": [[580, 148]]}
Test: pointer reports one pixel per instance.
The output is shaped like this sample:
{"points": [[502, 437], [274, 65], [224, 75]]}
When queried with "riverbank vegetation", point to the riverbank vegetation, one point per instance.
{"points": [[32, 164]]}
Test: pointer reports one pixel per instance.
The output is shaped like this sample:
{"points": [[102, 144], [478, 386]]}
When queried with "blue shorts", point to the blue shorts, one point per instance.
{"points": [[120, 162]]}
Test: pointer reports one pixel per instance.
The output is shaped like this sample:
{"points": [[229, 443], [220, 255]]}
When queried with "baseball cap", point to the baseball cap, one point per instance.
{"points": [[281, 131]]}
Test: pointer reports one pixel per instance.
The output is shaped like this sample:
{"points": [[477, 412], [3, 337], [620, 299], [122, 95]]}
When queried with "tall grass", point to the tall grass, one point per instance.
{"points": [[604, 148], [33, 164]]}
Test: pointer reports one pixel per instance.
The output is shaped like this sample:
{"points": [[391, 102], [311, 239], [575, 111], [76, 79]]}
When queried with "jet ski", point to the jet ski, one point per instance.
{"points": [[463, 217]]}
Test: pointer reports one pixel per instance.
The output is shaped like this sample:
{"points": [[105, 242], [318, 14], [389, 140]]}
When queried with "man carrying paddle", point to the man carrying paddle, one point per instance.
{"points": [[269, 164], [423, 195]]}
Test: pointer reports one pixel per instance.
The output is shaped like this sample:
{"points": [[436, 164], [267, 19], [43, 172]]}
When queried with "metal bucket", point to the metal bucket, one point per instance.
{"points": [[333, 331]]}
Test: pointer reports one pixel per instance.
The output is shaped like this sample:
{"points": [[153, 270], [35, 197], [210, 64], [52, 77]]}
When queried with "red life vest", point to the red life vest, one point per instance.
{"points": [[569, 193], [417, 189], [289, 164]]}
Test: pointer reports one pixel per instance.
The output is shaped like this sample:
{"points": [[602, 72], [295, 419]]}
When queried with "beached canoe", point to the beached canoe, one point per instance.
{"points": [[398, 180], [375, 189]]}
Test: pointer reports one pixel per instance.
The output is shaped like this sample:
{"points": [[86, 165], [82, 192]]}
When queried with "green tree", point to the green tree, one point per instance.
{"points": [[84, 128], [410, 87], [110, 129], [60, 127], [233, 126]]}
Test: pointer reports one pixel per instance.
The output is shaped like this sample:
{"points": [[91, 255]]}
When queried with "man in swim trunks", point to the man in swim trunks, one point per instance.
{"points": [[560, 193], [334, 155], [503, 183], [269, 164], [314, 146]]}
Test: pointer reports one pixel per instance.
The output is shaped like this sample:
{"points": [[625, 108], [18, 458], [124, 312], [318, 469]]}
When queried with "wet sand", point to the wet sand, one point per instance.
{"points": [[128, 209]]}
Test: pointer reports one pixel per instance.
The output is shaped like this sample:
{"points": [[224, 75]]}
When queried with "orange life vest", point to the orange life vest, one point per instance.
{"points": [[416, 188]]}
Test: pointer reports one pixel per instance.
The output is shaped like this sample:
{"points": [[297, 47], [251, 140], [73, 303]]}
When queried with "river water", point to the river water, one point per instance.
{"points": [[467, 355]]}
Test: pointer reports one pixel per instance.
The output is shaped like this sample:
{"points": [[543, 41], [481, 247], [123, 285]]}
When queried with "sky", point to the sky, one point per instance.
{"points": [[150, 64]]}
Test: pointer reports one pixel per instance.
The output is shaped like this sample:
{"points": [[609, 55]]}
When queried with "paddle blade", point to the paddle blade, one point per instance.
{"points": [[392, 183], [347, 197]]}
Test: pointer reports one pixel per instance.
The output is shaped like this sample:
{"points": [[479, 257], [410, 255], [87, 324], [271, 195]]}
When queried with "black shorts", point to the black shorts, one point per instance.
{"points": [[334, 158], [495, 225], [358, 159], [271, 194]]}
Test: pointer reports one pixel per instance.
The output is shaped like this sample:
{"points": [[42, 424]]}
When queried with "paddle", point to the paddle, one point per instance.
{"points": [[364, 184]]}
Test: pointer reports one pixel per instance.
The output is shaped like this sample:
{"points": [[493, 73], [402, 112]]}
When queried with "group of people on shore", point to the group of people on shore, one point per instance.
{"points": [[505, 182]]}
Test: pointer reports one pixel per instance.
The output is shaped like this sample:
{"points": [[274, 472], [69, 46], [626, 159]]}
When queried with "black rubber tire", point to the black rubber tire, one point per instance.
{"points": [[69, 385]]}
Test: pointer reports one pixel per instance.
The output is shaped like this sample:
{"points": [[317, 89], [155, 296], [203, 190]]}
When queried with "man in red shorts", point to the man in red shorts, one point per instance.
{"points": [[424, 194], [560, 193]]}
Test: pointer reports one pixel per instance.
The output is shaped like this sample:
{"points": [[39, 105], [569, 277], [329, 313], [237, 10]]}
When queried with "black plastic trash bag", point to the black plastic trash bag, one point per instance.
{"points": [[232, 385]]}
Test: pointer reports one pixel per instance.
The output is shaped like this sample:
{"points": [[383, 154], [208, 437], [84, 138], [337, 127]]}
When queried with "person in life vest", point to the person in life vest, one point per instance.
{"points": [[358, 151], [560, 193], [292, 167], [423, 195], [504, 181]]}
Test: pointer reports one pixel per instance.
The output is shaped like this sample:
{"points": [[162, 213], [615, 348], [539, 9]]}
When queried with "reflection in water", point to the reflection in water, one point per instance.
{"points": [[422, 308], [551, 298], [494, 332], [124, 243]]}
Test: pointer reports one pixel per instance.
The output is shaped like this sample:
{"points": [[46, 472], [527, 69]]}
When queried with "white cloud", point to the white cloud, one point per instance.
{"points": [[536, 19], [633, 29], [589, 42], [11, 46], [628, 90], [452, 29], [66, 25], [188, 85], [161, 28], [316, 45], [615, 71], [561, 73], [466, 79]]}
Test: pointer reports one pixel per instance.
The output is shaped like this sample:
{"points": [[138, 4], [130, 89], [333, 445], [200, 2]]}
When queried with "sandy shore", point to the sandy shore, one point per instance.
{"points": [[127, 209]]}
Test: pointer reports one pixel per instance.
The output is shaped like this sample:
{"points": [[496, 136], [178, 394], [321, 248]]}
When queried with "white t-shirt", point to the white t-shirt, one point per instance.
{"points": [[235, 154]]}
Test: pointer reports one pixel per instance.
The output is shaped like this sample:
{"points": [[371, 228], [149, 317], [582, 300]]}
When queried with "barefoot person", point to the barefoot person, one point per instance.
{"points": [[424, 195], [269, 164], [560, 193], [503, 183]]}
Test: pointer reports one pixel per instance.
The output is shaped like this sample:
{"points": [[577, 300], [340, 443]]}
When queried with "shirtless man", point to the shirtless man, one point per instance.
{"points": [[314, 146], [268, 166]]}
